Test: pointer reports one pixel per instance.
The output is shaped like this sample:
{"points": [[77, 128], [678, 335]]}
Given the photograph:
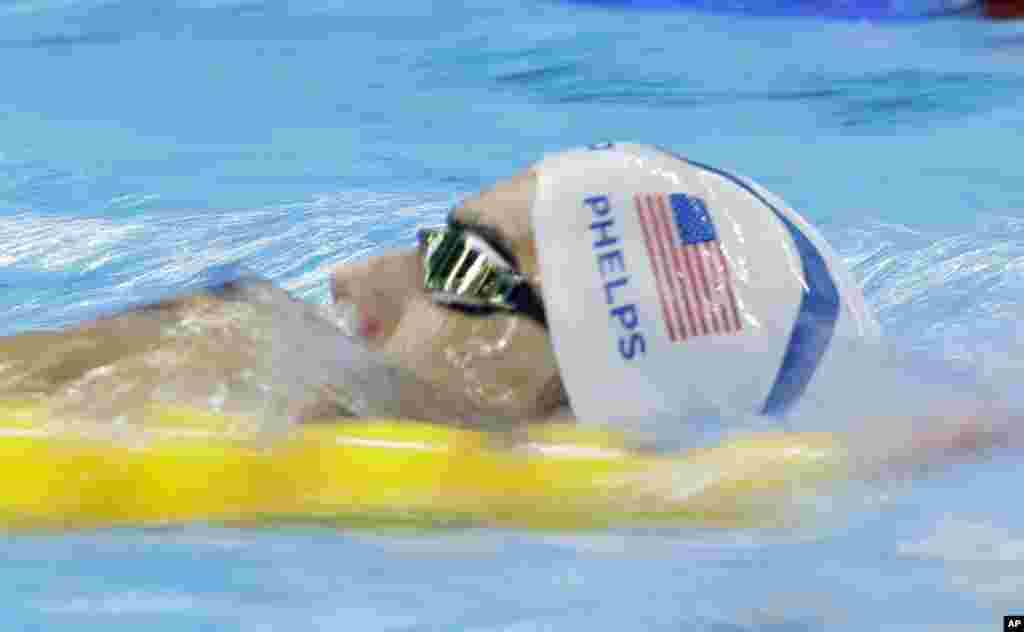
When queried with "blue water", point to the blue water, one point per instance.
{"points": [[143, 142]]}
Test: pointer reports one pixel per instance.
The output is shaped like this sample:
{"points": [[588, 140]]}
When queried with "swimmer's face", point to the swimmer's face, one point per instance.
{"points": [[500, 364]]}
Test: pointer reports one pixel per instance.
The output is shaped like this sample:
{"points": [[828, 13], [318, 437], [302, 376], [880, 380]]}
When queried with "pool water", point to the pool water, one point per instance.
{"points": [[142, 143]]}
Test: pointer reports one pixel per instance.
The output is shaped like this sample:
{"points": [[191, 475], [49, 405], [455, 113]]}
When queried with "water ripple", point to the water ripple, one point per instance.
{"points": [[914, 98], [959, 295], [76, 267]]}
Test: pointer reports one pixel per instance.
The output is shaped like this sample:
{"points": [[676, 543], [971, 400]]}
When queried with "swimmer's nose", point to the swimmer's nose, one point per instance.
{"points": [[375, 291], [354, 322]]}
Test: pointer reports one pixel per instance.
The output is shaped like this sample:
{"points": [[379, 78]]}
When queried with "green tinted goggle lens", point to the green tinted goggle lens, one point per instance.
{"points": [[459, 268]]}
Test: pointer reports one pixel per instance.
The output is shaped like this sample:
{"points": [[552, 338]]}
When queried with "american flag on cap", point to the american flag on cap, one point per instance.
{"points": [[691, 273]]}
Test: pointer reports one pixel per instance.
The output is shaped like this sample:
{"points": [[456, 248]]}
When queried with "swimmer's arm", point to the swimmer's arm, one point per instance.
{"points": [[942, 440]]}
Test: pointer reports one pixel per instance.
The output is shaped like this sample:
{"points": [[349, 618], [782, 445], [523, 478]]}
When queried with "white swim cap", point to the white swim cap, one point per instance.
{"points": [[673, 288]]}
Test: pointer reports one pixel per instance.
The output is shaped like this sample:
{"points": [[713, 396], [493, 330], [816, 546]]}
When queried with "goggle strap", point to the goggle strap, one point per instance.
{"points": [[527, 301]]}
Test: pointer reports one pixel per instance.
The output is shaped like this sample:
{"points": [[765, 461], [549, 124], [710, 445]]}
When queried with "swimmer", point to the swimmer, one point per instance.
{"points": [[587, 284], [615, 282]]}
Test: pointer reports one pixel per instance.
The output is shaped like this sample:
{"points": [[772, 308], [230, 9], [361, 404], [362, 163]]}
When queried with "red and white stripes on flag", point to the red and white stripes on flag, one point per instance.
{"points": [[691, 272]]}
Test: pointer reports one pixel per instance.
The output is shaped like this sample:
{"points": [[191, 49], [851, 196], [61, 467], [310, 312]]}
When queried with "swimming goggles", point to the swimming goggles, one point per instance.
{"points": [[462, 270]]}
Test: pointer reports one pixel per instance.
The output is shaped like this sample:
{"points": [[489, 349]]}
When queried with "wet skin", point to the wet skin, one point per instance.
{"points": [[455, 366], [500, 363]]}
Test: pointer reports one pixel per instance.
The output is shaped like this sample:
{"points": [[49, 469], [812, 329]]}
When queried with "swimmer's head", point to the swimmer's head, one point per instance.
{"points": [[483, 360], [621, 279]]}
